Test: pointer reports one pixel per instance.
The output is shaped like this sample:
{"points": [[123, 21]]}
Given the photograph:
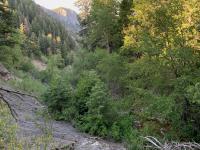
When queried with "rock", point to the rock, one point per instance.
{"points": [[3, 70], [63, 146], [5, 74]]}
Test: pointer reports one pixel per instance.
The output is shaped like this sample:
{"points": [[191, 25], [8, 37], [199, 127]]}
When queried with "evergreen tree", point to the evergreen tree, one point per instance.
{"points": [[10, 52], [7, 24], [125, 12], [104, 28]]}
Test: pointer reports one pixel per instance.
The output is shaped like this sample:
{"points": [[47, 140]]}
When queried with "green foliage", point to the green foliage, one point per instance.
{"points": [[151, 87], [85, 106], [30, 46], [112, 68], [94, 104], [10, 53], [83, 61], [59, 98], [84, 88], [10, 56], [7, 25], [194, 93], [40, 33], [26, 65], [125, 12], [104, 29], [27, 83], [162, 28], [164, 65], [8, 129], [52, 72]]}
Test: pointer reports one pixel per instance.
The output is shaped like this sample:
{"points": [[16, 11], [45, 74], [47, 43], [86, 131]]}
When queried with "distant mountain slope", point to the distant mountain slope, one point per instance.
{"points": [[52, 35], [68, 17]]}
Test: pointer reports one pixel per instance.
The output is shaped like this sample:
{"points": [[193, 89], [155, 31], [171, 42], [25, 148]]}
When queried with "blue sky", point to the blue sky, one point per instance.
{"points": [[51, 4]]}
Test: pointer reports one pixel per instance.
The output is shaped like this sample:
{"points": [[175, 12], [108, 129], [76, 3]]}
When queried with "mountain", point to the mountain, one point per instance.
{"points": [[67, 17], [49, 34]]}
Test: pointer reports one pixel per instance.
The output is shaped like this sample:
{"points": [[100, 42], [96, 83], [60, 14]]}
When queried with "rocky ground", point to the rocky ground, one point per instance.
{"points": [[35, 125]]}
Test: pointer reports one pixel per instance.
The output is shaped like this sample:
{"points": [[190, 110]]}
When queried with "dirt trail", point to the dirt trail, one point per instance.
{"points": [[26, 108]]}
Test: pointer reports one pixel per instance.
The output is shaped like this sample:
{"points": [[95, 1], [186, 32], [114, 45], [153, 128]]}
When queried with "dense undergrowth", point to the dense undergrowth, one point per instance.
{"points": [[104, 95]]}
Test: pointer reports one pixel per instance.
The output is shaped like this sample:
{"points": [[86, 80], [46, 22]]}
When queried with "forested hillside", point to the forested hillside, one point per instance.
{"points": [[70, 20], [66, 16], [30, 38], [44, 34], [136, 75]]}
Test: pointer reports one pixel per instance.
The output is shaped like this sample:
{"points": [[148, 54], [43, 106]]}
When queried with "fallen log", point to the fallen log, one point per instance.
{"points": [[18, 92]]}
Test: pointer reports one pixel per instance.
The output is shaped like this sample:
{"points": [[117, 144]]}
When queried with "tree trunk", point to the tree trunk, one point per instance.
{"points": [[108, 43]]}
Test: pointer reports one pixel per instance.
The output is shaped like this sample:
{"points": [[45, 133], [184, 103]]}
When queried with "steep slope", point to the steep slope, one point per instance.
{"points": [[69, 19], [25, 109], [51, 34]]}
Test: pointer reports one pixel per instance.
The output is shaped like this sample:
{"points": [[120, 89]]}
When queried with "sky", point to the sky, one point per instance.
{"points": [[51, 4]]}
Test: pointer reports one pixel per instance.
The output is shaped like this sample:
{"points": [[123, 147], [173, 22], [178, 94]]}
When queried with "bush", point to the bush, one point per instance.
{"points": [[83, 91], [26, 65], [86, 106], [93, 124], [112, 70], [92, 118], [52, 71], [27, 83], [124, 101], [59, 98], [86, 61]]}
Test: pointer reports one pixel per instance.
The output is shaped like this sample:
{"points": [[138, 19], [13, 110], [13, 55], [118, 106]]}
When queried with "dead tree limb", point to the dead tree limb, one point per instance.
{"points": [[18, 92], [12, 111]]}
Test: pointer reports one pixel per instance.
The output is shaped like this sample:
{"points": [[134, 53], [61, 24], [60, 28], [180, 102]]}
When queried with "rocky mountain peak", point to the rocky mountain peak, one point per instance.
{"points": [[63, 11], [69, 18]]}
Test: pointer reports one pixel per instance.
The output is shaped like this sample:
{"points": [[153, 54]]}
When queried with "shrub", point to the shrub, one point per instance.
{"points": [[59, 98], [26, 65], [29, 84], [112, 71], [93, 121], [8, 129], [83, 91]]}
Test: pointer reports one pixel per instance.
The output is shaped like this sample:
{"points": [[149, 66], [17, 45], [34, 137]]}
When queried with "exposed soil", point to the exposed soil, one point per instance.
{"points": [[39, 65]]}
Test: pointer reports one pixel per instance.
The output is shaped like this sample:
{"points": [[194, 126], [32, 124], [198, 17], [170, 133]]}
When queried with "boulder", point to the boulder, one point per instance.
{"points": [[4, 73]]}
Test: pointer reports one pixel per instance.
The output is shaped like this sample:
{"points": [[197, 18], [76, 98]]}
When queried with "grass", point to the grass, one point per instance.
{"points": [[8, 129], [27, 83]]}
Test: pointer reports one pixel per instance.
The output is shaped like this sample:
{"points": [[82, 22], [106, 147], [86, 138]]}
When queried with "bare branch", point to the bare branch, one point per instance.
{"points": [[155, 144]]}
